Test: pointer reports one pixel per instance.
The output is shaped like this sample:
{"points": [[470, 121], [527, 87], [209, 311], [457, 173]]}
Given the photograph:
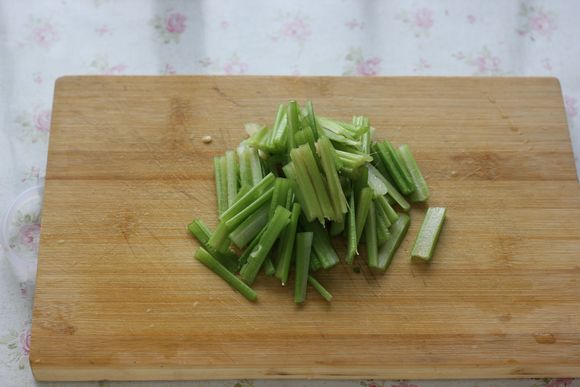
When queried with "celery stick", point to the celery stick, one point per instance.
{"points": [[352, 242], [319, 288], [311, 118], [293, 122], [290, 172], [203, 234], [253, 194], [237, 219], [376, 183], [395, 167], [250, 227], [429, 233], [244, 257], [259, 253], [321, 244], [279, 132], [219, 240], [371, 236], [315, 264], [338, 200], [387, 209], [221, 188], [398, 231], [232, 176], [391, 190], [305, 182], [383, 233], [255, 166], [309, 162], [281, 188], [365, 199], [205, 257], [269, 268], [303, 248], [421, 193], [286, 245], [245, 167]]}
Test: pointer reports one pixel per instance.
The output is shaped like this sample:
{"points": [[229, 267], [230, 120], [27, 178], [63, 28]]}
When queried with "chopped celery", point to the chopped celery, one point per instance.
{"points": [[293, 122], [213, 264], [286, 245], [319, 288], [221, 188], [336, 228], [250, 227], [245, 166], [391, 190], [315, 264], [303, 248], [398, 231], [253, 194], [364, 201], [393, 164], [352, 241], [232, 176], [429, 234], [280, 195], [202, 233], [310, 207], [371, 236], [326, 153], [252, 207], [321, 244], [422, 190], [261, 250], [387, 209]]}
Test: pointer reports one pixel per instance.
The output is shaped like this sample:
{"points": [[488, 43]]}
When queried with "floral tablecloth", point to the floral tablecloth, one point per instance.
{"points": [[42, 40]]}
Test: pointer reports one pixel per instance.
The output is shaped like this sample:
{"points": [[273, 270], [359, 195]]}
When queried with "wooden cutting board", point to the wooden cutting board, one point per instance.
{"points": [[119, 295]]}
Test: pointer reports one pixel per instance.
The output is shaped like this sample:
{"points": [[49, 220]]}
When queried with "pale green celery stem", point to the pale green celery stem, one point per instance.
{"points": [[286, 245], [303, 248], [293, 122], [362, 210], [321, 190], [391, 190], [371, 236], [205, 257], [232, 176], [321, 244], [237, 219], [290, 172], [249, 197], [421, 193], [250, 227], [281, 188], [305, 183], [352, 241], [398, 231], [255, 166], [336, 228], [220, 188], [387, 209], [319, 288], [326, 154], [245, 167], [429, 233]]}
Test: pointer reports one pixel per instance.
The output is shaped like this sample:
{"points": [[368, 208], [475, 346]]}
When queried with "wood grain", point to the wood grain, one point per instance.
{"points": [[120, 297]]}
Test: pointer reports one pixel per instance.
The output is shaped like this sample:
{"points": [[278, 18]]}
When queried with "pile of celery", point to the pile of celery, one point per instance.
{"points": [[289, 188]]}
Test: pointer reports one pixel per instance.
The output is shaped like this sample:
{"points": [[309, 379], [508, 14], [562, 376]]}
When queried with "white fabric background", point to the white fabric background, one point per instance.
{"points": [[42, 40]]}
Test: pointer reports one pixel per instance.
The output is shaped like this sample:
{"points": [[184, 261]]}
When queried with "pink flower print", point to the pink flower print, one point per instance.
{"points": [[423, 18], [168, 69], [235, 66], [43, 34], [560, 382], [354, 24], [404, 384], [41, 121], [542, 23], [115, 70], [536, 22], [28, 236], [296, 29], [422, 65], [487, 64], [224, 24], [359, 65], [570, 104], [103, 30], [37, 78], [546, 64], [175, 23], [24, 341], [471, 19], [368, 67]]}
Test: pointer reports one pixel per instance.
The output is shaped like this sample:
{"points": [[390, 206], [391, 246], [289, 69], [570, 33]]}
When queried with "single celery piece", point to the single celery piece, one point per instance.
{"points": [[321, 244], [237, 219], [352, 242], [352, 160], [250, 227], [376, 183], [387, 209], [311, 118], [321, 189], [253, 194], [429, 234], [391, 190], [363, 123], [371, 236], [244, 257], [232, 176], [220, 240], [338, 200], [292, 112], [255, 166], [383, 233], [213, 264], [287, 245], [365, 199], [256, 258], [303, 248], [281, 188], [398, 231], [305, 183], [395, 167], [307, 206], [319, 288], [279, 131], [421, 193], [202, 233], [245, 166], [221, 188]]}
